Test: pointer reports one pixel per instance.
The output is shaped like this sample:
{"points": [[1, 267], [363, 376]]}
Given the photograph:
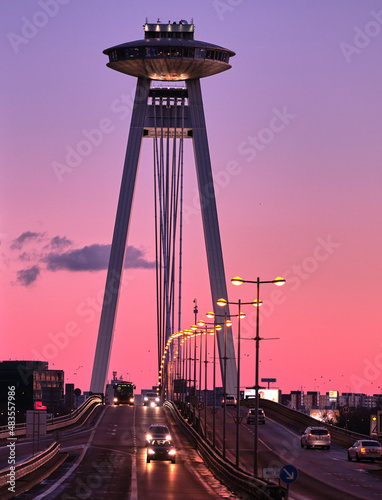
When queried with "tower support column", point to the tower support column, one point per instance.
{"points": [[118, 247], [210, 224]]}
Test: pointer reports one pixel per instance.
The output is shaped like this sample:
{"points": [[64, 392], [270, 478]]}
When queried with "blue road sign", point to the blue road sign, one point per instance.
{"points": [[288, 473]]}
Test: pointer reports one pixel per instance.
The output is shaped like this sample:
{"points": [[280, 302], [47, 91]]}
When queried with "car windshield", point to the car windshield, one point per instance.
{"points": [[319, 432], [160, 442], [370, 443], [158, 429]]}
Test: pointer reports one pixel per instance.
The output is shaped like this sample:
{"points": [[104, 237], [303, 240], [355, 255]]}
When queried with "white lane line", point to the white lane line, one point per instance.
{"points": [[134, 482], [77, 462]]}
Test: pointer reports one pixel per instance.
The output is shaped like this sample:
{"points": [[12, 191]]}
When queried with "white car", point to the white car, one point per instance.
{"points": [[229, 400], [316, 436], [366, 449], [151, 399]]}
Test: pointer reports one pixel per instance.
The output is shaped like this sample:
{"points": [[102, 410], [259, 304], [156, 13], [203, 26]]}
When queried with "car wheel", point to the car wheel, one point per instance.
{"points": [[148, 460], [357, 458], [328, 447], [302, 445], [349, 457], [173, 461]]}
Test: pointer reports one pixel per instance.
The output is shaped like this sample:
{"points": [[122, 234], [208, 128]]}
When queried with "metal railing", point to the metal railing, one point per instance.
{"points": [[300, 421], [58, 422], [238, 481], [30, 465]]}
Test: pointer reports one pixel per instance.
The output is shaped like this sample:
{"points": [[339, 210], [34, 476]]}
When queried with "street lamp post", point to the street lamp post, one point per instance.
{"points": [[201, 323], [239, 281], [238, 420], [224, 384], [240, 315], [214, 409]]}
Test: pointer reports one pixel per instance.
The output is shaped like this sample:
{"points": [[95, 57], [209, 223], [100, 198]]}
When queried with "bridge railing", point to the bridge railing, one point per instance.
{"points": [[59, 422], [30, 465], [300, 421], [241, 483]]}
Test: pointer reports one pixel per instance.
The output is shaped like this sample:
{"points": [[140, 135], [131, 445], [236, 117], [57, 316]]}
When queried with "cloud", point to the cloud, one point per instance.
{"points": [[59, 243], [45, 254], [88, 258], [135, 258], [93, 258], [26, 237], [26, 277]]}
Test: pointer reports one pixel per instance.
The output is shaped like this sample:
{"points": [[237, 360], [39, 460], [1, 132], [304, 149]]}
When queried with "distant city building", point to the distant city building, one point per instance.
{"points": [[312, 400], [69, 396], [296, 399], [33, 382]]}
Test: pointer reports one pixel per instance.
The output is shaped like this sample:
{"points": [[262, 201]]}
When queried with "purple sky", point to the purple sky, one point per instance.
{"points": [[295, 139]]}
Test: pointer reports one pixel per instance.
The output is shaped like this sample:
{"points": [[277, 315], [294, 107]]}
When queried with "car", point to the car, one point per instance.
{"points": [[160, 449], [365, 449], [151, 399], [156, 431], [229, 400], [316, 436], [251, 417]]}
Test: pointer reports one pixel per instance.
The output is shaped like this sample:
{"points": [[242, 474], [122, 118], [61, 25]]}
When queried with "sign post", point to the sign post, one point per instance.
{"points": [[288, 474], [36, 426]]}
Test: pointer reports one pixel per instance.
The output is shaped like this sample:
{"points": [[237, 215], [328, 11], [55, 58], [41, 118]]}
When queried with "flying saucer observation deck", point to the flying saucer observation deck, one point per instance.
{"points": [[167, 113], [169, 52]]}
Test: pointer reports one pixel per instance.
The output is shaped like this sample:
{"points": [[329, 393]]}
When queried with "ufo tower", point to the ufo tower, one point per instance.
{"points": [[168, 114]]}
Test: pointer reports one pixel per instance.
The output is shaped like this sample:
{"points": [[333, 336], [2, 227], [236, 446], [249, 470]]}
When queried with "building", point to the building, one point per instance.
{"points": [[312, 400], [33, 382]]}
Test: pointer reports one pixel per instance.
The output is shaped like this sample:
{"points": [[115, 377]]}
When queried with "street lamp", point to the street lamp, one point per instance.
{"points": [[240, 315], [239, 281], [216, 328]]}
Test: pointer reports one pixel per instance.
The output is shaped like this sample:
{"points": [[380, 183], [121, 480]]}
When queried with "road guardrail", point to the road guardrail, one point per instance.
{"points": [[241, 483], [59, 422], [300, 421]]}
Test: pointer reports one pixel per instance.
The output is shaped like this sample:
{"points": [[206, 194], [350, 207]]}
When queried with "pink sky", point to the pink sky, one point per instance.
{"points": [[305, 205]]}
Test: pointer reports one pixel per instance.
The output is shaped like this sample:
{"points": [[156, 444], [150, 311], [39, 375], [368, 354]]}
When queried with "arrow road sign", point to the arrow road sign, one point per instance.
{"points": [[288, 474]]}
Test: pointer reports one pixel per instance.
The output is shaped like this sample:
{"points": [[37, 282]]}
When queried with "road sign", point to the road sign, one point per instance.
{"points": [[199, 405], [345, 409], [288, 474], [271, 473]]}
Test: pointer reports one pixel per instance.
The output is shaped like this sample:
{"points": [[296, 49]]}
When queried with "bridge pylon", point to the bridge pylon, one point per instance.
{"points": [[167, 53]]}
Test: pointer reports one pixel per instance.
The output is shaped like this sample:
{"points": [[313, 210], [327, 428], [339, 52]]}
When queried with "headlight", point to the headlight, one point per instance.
{"points": [[153, 403], [148, 437], [157, 399], [150, 451], [145, 398], [115, 400], [168, 437], [131, 400], [172, 451]]}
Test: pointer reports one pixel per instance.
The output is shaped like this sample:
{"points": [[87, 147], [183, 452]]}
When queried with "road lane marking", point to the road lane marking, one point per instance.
{"points": [[76, 463], [134, 482]]}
